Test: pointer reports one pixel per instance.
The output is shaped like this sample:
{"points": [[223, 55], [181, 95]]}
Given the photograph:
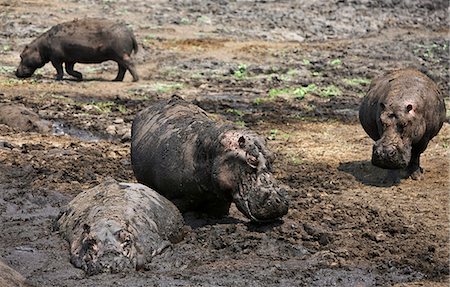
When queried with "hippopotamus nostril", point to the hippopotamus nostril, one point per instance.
{"points": [[391, 153]]}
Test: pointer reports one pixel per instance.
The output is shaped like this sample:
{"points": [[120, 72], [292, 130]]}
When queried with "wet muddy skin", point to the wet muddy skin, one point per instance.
{"points": [[294, 72]]}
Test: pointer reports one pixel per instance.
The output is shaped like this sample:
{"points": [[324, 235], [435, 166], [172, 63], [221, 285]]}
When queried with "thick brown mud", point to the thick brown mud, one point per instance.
{"points": [[293, 71]]}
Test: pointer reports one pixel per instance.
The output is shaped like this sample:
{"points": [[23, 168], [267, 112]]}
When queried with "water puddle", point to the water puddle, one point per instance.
{"points": [[61, 128]]}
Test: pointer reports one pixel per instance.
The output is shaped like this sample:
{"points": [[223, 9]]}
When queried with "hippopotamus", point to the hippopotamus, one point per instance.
{"points": [[119, 226], [88, 40], [10, 277], [23, 119], [204, 166], [402, 111]]}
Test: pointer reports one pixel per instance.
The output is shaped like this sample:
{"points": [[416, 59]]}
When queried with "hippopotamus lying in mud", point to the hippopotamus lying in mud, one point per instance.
{"points": [[10, 277], [23, 119], [402, 111], [203, 166], [117, 226], [80, 41]]}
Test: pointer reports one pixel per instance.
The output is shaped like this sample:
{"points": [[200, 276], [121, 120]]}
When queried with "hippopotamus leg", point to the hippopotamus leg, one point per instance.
{"points": [[413, 169], [121, 73], [72, 72], [59, 69], [125, 63]]}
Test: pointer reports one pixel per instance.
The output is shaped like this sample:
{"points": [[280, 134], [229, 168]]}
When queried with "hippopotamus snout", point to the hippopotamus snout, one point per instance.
{"points": [[24, 72], [390, 156], [266, 200]]}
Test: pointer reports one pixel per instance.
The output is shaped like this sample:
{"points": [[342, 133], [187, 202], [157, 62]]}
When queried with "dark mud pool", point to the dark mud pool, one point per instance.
{"points": [[293, 71]]}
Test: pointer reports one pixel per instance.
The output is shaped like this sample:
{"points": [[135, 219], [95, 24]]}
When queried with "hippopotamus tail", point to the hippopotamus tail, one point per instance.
{"points": [[135, 44]]}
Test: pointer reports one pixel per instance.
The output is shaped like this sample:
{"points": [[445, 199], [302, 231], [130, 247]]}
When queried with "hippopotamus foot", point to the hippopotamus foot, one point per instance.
{"points": [[72, 72], [392, 177], [416, 173]]}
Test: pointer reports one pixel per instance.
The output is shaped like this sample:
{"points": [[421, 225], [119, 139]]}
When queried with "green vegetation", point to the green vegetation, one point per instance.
{"points": [[298, 92], [306, 62], [235, 112], [274, 134], [185, 21], [301, 92], [241, 72], [240, 124], [296, 160], [204, 19], [292, 72], [16, 82], [107, 107], [329, 91], [335, 62], [149, 38], [167, 88], [7, 69], [431, 51], [356, 81], [6, 48]]}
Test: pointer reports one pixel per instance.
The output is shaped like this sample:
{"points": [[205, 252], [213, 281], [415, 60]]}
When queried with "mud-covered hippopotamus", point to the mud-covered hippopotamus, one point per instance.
{"points": [[117, 226], [402, 111], [203, 166], [86, 41], [10, 277], [20, 118]]}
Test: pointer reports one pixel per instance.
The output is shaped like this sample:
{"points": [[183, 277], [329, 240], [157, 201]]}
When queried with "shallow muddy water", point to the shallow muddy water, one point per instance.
{"points": [[293, 71]]}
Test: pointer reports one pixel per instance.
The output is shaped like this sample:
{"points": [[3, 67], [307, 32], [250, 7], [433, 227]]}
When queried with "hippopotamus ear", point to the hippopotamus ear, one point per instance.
{"points": [[251, 159], [241, 142], [410, 109]]}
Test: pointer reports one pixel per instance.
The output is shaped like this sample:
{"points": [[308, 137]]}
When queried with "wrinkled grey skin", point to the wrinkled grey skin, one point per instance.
{"points": [[118, 226], [402, 111], [10, 277], [85, 41], [203, 166], [23, 119]]}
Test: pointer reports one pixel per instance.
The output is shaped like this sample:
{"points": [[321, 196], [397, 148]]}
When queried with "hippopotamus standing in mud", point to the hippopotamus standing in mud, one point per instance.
{"points": [[117, 226], [80, 41], [203, 166], [402, 112]]}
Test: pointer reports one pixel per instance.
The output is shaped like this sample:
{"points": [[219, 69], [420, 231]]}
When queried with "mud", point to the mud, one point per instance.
{"points": [[293, 71]]}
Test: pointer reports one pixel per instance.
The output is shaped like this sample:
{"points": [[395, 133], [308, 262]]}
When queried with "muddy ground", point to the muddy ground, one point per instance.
{"points": [[295, 72]]}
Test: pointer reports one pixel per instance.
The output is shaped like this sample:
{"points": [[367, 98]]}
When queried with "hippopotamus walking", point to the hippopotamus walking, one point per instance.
{"points": [[86, 41], [204, 166], [402, 111], [117, 226]]}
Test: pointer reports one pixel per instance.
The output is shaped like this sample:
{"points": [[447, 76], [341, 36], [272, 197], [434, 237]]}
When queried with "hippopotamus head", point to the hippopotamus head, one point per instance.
{"points": [[105, 246], [245, 170], [31, 59], [400, 125]]}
